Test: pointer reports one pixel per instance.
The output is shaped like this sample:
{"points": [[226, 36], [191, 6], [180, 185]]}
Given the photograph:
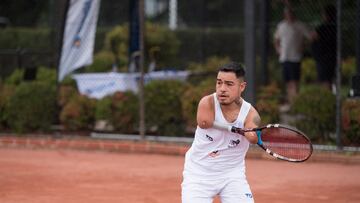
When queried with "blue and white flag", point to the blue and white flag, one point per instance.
{"points": [[99, 85], [79, 36]]}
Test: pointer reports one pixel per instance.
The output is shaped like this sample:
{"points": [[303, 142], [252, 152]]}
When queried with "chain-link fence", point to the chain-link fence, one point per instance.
{"points": [[180, 68], [320, 91]]}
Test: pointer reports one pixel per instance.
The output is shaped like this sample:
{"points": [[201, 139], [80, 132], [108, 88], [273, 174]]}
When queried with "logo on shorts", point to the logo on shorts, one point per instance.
{"points": [[248, 195]]}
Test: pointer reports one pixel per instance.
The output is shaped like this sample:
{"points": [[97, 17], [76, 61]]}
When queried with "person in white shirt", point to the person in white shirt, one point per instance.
{"points": [[289, 41], [215, 163]]}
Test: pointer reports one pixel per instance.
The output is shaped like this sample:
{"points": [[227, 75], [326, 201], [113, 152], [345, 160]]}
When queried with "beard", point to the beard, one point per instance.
{"points": [[226, 100], [225, 103], [223, 100]]}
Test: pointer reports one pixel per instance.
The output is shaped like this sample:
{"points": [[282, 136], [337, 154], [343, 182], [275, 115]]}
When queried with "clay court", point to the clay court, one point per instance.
{"points": [[63, 175]]}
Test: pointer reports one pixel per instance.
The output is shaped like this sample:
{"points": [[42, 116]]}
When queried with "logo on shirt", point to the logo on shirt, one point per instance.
{"points": [[234, 143], [214, 153], [209, 138]]}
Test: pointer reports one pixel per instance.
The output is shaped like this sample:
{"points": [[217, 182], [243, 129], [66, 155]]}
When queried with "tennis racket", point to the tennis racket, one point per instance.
{"points": [[281, 141]]}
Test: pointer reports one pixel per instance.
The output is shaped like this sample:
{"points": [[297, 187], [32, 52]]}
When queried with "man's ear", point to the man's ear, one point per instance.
{"points": [[243, 85]]}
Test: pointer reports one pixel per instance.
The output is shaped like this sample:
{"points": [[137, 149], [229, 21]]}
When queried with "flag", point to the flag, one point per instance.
{"points": [[79, 36]]}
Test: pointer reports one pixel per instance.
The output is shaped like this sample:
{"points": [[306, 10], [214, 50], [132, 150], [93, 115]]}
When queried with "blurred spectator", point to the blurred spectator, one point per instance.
{"points": [[134, 62], [289, 40], [154, 55], [324, 46]]}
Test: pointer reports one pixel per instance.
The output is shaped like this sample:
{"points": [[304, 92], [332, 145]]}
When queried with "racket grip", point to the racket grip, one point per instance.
{"points": [[222, 126], [237, 130]]}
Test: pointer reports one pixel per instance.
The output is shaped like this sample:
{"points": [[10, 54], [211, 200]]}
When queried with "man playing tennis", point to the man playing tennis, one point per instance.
{"points": [[215, 163]]}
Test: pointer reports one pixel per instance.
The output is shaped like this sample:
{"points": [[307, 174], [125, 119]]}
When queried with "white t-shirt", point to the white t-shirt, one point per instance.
{"points": [[291, 36], [217, 153]]}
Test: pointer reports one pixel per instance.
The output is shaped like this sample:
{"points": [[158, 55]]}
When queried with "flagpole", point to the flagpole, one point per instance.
{"points": [[62, 19], [61, 38]]}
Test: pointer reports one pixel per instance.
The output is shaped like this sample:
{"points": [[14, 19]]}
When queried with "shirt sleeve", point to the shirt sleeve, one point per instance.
{"points": [[277, 32]]}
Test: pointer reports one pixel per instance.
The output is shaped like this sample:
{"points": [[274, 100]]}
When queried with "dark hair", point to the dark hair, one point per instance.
{"points": [[233, 67]]}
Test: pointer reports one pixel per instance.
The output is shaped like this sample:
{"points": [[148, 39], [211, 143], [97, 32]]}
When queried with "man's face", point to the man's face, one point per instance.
{"points": [[228, 87], [289, 16]]}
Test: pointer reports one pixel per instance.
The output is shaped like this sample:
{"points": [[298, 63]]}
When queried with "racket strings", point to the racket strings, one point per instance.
{"points": [[287, 143]]}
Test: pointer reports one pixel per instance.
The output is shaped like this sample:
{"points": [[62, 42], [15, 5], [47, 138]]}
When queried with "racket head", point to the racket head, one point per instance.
{"points": [[284, 142]]}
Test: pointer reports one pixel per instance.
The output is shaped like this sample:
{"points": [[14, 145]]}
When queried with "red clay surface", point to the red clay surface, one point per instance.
{"points": [[60, 175]]}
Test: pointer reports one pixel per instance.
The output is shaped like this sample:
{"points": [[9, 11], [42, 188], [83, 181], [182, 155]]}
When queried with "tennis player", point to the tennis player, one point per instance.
{"points": [[215, 163]]}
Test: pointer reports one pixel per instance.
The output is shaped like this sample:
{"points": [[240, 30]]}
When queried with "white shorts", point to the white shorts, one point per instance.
{"points": [[230, 190]]}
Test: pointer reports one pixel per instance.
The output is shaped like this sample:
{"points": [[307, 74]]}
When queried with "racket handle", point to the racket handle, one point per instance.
{"points": [[237, 130], [222, 126], [233, 129]]}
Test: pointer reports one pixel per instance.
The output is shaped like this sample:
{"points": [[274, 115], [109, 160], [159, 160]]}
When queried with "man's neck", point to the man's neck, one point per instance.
{"points": [[233, 106]]}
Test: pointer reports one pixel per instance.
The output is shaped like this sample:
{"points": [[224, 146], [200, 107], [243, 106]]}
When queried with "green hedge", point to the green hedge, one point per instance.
{"points": [[6, 92], [38, 38], [120, 111], [17, 92], [157, 37], [315, 108], [103, 110], [348, 69], [13, 38], [103, 62], [15, 78], [351, 122], [78, 113], [308, 71], [191, 98], [267, 103], [32, 107], [44, 74], [124, 115], [65, 94], [164, 108]]}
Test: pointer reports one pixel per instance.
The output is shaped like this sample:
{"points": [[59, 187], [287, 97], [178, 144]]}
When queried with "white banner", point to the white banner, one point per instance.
{"points": [[99, 85], [79, 36]]}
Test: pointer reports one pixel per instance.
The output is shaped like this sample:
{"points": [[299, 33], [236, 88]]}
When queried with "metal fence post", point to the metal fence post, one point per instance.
{"points": [[141, 64], [338, 76], [249, 55]]}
